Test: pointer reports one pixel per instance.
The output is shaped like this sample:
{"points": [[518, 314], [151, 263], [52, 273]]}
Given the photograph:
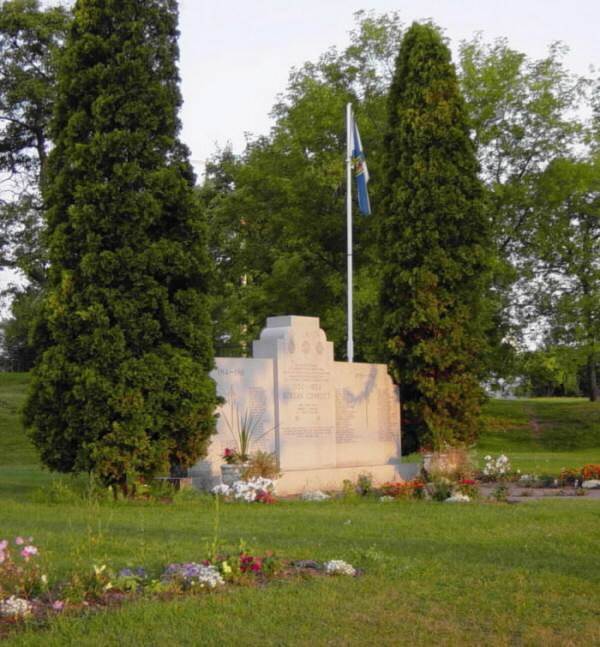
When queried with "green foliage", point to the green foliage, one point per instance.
{"points": [[29, 38], [567, 256], [18, 332], [434, 244], [278, 233], [551, 371], [122, 388]]}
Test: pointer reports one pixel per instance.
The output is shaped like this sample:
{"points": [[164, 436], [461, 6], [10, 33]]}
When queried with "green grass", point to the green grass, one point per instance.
{"points": [[474, 574], [542, 435], [15, 448]]}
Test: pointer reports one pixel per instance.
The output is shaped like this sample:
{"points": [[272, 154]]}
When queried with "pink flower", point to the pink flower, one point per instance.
{"points": [[3, 544], [19, 541], [58, 605], [28, 551]]}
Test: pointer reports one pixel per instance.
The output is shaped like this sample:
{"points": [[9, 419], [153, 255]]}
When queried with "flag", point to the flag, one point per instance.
{"points": [[361, 172]]}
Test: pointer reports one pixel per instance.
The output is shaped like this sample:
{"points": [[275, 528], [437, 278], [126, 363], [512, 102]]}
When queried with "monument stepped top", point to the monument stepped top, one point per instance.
{"points": [[292, 320]]}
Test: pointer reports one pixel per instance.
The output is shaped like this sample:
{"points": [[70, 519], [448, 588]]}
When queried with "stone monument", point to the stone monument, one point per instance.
{"points": [[326, 421]]}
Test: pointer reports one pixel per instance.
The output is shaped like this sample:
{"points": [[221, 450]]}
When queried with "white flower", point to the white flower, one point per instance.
{"points": [[222, 489], [384, 499], [591, 484], [458, 498], [339, 567], [315, 495], [209, 576], [14, 607]]}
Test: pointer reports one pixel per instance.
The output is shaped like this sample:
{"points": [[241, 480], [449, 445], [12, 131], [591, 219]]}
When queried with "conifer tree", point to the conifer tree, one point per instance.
{"points": [[122, 388], [434, 244]]}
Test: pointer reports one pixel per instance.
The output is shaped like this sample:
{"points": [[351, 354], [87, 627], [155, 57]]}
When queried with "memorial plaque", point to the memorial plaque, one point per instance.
{"points": [[366, 432], [304, 394]]}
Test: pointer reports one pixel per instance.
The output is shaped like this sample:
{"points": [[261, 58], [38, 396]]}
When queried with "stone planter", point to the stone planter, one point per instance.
{"points": [[232, 472], [427, 458]]}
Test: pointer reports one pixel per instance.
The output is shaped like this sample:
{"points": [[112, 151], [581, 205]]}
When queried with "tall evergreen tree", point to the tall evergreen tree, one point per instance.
{"points": [[122, 388], [434, 243]]}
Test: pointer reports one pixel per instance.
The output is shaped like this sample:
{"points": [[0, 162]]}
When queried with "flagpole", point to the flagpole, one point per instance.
{"points": [[350, 341]]}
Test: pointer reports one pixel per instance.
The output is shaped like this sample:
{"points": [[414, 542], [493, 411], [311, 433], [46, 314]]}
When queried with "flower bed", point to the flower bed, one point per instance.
{"points": [[26, 593]]}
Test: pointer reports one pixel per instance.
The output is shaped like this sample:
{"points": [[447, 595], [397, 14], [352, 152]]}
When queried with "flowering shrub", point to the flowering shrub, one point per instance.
{"points": [[257, 489], [591, 472], [339, 567], [496, 468], [403, 489]]}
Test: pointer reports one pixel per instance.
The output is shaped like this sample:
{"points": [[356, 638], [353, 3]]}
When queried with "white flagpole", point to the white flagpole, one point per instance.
{"points": [[350, 342]]}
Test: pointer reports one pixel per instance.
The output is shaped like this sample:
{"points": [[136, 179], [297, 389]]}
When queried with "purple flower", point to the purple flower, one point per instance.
{"points": [[133, 572]]}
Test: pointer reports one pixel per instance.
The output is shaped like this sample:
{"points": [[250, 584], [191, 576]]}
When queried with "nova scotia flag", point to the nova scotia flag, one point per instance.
{"points": [[361, 171]]}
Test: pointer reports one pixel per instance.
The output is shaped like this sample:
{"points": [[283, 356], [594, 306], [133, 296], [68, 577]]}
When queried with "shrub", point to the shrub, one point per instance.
{"points": [[261, 465], [590, 472], [364, 484], [440, 489], [468, 487], [453, 463]]}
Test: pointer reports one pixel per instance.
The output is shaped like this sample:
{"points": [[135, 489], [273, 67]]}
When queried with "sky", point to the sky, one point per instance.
{"points": [[236, 54]]}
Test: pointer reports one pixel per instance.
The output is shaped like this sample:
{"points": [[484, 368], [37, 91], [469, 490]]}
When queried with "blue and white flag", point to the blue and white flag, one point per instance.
{"points": [[361, 171]]}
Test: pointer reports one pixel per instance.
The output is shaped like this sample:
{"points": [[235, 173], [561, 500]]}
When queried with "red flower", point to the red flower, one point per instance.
{"points": [[248, 563], [262, 496], [467, 482]]}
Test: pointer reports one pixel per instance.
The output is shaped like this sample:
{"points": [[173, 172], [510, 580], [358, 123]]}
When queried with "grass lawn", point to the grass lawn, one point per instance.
{"points": [[543, 435], [435, 574]]}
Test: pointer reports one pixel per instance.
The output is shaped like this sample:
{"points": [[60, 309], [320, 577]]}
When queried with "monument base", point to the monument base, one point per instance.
{"points": [[299, 481], [331, 478]]}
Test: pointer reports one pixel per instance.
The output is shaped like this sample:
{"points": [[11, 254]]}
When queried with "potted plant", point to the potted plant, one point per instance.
{"points": [[245, 429]]}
